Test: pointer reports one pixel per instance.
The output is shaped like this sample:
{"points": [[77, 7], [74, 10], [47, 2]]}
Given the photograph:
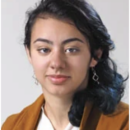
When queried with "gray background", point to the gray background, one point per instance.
{"points": [[18, 87]]}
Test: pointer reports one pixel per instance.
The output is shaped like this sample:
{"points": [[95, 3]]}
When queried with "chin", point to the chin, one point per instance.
{"points": [[60, 91]]}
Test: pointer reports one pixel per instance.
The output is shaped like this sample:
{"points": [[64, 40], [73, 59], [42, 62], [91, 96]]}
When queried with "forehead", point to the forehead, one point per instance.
{"points": [[55, 29]]}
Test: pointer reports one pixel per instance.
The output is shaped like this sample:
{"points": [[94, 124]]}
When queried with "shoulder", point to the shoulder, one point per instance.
{"points": [[12, 120], [117, 120], [122, 110], [28, 114]]}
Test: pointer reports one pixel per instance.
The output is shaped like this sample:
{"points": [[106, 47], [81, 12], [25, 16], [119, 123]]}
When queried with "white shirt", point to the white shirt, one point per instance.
{"points": [[45, 124]]}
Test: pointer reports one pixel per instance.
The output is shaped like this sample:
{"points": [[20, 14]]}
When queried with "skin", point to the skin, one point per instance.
{"points": [[72, 59]]}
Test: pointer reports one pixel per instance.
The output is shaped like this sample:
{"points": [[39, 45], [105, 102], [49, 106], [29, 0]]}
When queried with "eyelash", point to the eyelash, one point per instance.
{"points": [[74, 50], [43, 49]]}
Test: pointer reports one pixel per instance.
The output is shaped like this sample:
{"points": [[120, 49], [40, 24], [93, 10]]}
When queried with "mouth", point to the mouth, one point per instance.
{"points": [[58, 79]]}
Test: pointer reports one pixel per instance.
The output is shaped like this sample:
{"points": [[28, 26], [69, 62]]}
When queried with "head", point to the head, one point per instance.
{"points": [[56, 45], [68, 38]]}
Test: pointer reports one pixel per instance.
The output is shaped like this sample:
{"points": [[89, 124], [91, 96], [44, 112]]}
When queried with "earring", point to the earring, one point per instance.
{"points": [[36, 81], [95, 76]]}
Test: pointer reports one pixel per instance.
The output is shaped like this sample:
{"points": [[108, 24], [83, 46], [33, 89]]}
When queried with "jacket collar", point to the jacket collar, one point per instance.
{"points": [[31, 116]]}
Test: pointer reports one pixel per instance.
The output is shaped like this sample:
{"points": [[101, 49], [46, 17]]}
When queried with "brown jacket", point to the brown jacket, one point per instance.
{"points": [[92, 118]]}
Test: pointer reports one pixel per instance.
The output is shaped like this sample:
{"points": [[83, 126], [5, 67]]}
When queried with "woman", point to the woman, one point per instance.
{"points": [[68, 46]]}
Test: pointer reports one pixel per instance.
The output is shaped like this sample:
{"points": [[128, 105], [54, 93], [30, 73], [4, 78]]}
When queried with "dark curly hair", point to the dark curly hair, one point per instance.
{"points": [[105, 95]]}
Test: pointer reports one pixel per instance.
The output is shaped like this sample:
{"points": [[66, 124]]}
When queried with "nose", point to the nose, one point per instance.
{"points": [[57, 61]]}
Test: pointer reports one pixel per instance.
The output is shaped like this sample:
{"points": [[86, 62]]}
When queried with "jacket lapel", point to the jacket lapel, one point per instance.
{"points": [[31, 116], [90, 117]]}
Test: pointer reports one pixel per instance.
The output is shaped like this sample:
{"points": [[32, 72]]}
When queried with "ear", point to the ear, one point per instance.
{"points": [[93, 62], [28, 54]]}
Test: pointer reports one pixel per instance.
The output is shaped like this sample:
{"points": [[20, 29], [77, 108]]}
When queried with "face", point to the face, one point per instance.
{"points": [[60, 56]]}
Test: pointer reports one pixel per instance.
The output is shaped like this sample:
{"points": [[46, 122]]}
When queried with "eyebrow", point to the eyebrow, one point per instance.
{"points": [[64, 42]]}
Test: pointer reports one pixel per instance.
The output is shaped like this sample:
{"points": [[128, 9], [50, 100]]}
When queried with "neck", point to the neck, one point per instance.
{"points": [[57, 108]]}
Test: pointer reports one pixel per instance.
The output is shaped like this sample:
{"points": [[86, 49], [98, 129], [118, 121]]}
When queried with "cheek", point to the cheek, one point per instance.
{"points": [[80, 64], [39, 63]]}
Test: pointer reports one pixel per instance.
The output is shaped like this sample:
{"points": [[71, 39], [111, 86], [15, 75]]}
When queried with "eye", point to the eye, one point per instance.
{"points": [[71, 50], [44, 50]]}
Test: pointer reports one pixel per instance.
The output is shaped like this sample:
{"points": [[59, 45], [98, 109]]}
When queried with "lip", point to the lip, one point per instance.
{"points": [[58, 79]]}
